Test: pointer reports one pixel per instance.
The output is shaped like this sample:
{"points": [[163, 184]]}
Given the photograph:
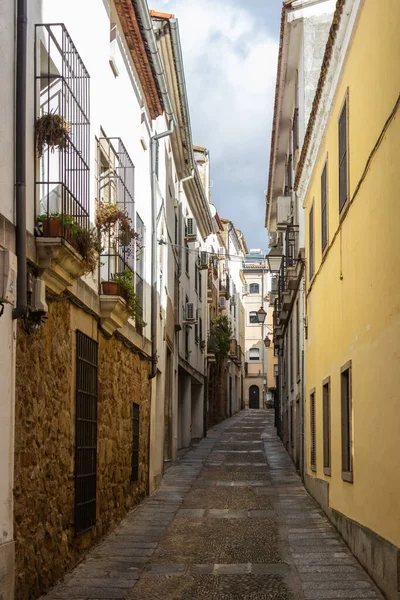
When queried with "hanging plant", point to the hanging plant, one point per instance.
{"points": [[52, 130], [110, 218]]}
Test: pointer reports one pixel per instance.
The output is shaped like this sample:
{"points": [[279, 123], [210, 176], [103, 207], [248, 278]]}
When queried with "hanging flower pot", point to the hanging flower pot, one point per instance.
{"points": [[110, 288], [51, 130]]}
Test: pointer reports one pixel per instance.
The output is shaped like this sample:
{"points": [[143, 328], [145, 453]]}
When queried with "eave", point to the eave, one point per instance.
{"points": [[133, 32]]}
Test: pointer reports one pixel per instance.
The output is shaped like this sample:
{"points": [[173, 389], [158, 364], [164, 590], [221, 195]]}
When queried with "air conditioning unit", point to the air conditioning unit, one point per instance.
{"points": [[273, 239], [222, 302], [191, 314], [191, 229], [245, 289], [283, 211], [203, 260]]}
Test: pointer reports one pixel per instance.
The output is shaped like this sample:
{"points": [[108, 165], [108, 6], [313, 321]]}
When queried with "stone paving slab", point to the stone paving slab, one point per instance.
{"points": [[228, 522]]}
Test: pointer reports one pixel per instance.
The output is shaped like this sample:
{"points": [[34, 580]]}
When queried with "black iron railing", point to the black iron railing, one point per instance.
{"points": [[115, 188], [86, 432], [62, 90]]}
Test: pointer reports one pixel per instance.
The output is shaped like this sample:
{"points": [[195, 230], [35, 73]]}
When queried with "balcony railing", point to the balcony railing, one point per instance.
{"points": [[62, 91], [115, 188]]}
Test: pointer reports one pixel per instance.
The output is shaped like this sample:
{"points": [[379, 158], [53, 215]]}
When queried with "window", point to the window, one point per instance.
{"points": [[62, 87], [186, 257], [313, 450], [295, 130], [176, 229], [253, 318], [326, 407], [196, 334], [311, 243], [139, 272], [135, 441], [324, 208], [196, 277], [254, 288], [290, 340], [289, 179], [343, 169], [297, 340], [254, 354], [85, 432], [200, 329], [346, 405], [200, 285]]}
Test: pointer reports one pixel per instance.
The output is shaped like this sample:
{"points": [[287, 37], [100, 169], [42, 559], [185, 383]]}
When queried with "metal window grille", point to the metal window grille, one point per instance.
{"points": [[324, 208], [343, 183], [311, 242], [326, 400], [135, 441], [115, 185], [291, 244], [62, 87], [86, 432], [313, 435]]}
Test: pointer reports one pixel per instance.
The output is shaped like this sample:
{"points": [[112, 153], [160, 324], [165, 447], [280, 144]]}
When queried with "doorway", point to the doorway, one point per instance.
{"points": [[254, 396]]}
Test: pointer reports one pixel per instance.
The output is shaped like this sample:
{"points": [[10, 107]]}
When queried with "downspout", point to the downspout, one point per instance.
{"points": [[20, 158], [154, 265]]}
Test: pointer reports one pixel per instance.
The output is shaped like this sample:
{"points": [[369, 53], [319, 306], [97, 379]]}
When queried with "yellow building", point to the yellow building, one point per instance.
{"points": [[348, 182]]}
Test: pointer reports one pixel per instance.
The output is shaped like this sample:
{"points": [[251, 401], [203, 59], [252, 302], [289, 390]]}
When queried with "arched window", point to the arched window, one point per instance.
{"points": [[254, 354], [253, 316], [254, 288]]}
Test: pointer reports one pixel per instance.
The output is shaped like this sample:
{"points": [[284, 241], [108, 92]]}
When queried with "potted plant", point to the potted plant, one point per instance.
{"points": [[127, 291], [110, 288], [114, 221], [52, 130], [53, 224]]}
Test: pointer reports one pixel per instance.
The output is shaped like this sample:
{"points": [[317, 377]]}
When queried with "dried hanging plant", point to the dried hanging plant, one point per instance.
{"points": [[53, 130]]}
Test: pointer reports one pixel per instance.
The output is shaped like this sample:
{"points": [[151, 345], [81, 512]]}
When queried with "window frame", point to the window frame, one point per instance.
{"points": [[311, 243], [258, 358], [135, 442], [253, 312], [313, 433], [253, 285], [344, 110], [327, 425], [324, 209], [346, 418]]}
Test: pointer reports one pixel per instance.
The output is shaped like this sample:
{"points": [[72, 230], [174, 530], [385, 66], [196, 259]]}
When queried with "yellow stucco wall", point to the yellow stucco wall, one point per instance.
{"points": [[357, 317]]}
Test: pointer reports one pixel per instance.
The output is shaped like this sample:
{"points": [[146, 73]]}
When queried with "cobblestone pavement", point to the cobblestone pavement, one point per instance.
{"points": [[230, 521]]}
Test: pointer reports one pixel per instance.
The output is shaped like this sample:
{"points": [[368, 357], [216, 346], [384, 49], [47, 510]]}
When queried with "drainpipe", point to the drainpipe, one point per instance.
{"points": [[154, 265], [20, 158]]}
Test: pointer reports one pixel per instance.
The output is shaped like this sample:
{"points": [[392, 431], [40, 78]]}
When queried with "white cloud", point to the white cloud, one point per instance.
{"points": [[230, 68]]}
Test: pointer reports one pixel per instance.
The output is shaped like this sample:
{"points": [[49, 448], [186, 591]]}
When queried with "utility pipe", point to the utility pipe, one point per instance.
{"points": [[20, 158], [154, 262]]}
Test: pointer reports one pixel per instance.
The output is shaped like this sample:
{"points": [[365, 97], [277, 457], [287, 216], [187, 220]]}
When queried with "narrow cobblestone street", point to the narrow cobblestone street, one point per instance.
{"points": [[231, 520]]}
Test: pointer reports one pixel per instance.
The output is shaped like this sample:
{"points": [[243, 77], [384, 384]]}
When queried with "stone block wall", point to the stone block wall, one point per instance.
{"points": [[46, 545]]}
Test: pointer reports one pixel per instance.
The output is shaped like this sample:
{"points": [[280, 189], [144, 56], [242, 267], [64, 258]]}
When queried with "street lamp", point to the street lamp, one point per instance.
{"points": [[267, 341], [274, 259], [261, 316]]}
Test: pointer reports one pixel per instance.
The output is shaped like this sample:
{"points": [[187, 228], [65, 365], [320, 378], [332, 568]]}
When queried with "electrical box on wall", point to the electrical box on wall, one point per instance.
{"points": [[8, 276]]}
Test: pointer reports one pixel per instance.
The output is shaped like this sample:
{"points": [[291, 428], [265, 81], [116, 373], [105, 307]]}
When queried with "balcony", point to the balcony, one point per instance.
{"points": [[121, 295], [62, 166]]}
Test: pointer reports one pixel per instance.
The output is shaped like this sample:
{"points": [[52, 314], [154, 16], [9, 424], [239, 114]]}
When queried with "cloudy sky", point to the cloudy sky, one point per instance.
{"points": [[230, 51]]}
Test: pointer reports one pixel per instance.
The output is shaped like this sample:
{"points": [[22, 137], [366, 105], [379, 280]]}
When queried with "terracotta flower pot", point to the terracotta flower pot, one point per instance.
{"points": [[110, 288], [52, 228]]}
